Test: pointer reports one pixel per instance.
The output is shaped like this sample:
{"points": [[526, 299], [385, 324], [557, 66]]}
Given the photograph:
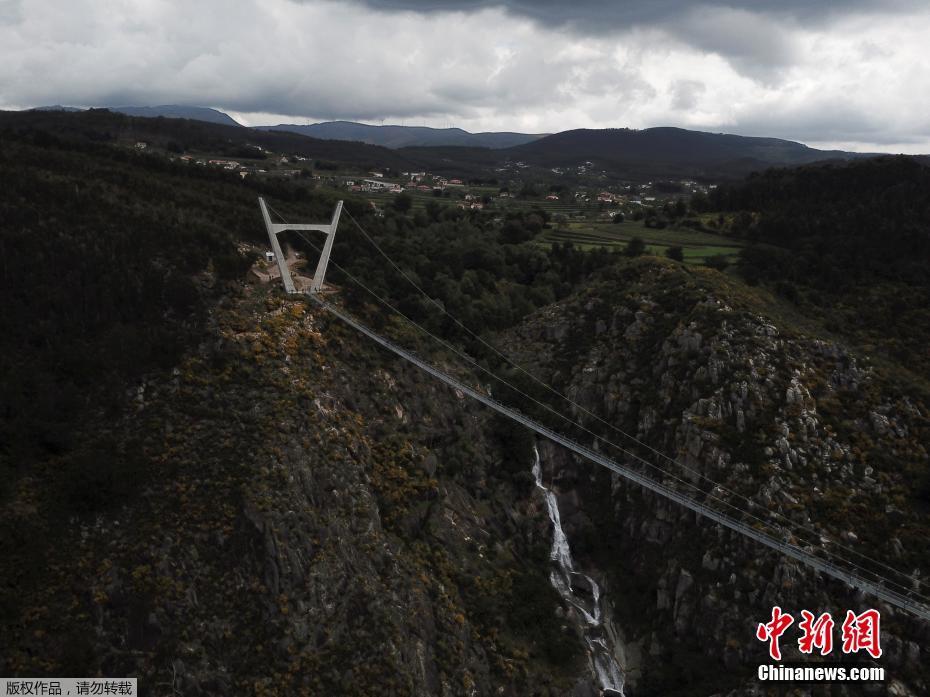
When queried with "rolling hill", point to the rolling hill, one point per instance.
{"points": [[670, 150], [622, 153], [104, 125], [172, 111], [406, 136], [176, 111]]}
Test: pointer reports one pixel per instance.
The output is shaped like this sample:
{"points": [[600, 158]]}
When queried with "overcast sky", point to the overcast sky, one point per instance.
{"points": [[831, 73]]}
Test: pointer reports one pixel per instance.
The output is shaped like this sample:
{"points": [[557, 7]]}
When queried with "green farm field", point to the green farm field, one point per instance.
{"points": [[697, 246], [584, 227]]}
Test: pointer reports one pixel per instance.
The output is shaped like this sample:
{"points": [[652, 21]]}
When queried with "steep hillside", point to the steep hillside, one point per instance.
{"points": [[221, 492], [849, 243], [405, 136], [304, 517], [685, 362]]}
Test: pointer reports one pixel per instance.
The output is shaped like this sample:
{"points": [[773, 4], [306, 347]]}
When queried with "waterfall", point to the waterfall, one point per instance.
{"points": [[573, 587]]}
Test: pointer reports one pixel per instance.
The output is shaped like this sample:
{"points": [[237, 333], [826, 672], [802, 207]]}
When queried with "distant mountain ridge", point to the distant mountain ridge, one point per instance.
{"points": [[678, 147], [175, 111], [171, 111], [56, 107], [395, 137], [106, 125], [662, 152]]}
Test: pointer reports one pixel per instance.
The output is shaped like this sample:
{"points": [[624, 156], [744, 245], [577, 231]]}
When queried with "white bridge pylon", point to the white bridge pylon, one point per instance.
{"points": [[275, 228]]}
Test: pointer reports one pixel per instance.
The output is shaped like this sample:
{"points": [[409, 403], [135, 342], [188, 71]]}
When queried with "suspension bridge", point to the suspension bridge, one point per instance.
{"points": [[759, 530]]}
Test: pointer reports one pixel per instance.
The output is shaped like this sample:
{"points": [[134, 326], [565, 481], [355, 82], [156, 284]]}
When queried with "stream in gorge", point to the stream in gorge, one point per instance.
{"points": [[582, 597]]}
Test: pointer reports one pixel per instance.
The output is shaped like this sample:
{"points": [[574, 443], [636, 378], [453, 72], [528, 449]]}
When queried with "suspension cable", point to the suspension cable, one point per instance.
{"points": [[800, 526], [709, 495]]}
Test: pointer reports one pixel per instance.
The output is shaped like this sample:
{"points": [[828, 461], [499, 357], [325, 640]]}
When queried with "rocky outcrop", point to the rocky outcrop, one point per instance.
{"points": [[793, 429]]}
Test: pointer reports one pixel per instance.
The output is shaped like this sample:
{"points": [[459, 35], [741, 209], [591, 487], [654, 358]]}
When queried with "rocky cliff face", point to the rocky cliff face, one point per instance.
{"points": [[310, 517], [798, 425]]}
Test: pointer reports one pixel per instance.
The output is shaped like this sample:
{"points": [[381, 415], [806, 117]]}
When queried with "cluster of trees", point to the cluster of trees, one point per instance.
{"points": [[836, 226], [851, 241], [488, 274], [663, 216]]}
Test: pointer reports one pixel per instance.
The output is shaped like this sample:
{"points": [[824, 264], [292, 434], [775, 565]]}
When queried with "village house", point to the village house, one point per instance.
{"points": [[225, 164], [378, 185]]}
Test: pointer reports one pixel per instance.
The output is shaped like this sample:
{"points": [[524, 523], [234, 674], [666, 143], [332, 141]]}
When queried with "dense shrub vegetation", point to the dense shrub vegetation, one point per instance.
{"points": [[100, 254]]}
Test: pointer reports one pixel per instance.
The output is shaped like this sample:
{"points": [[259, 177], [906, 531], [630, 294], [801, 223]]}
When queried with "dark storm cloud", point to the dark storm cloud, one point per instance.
{"points": [[608, 15], [756, 36]]}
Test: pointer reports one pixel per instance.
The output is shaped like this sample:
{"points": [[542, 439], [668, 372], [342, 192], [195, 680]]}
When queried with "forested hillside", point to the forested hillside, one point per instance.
{"points": [[842, 224], [109, 254], [154, 404], [851, 242], [103, 253], [404, 136], [178, 135], [222, 490], [669, 152]]}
